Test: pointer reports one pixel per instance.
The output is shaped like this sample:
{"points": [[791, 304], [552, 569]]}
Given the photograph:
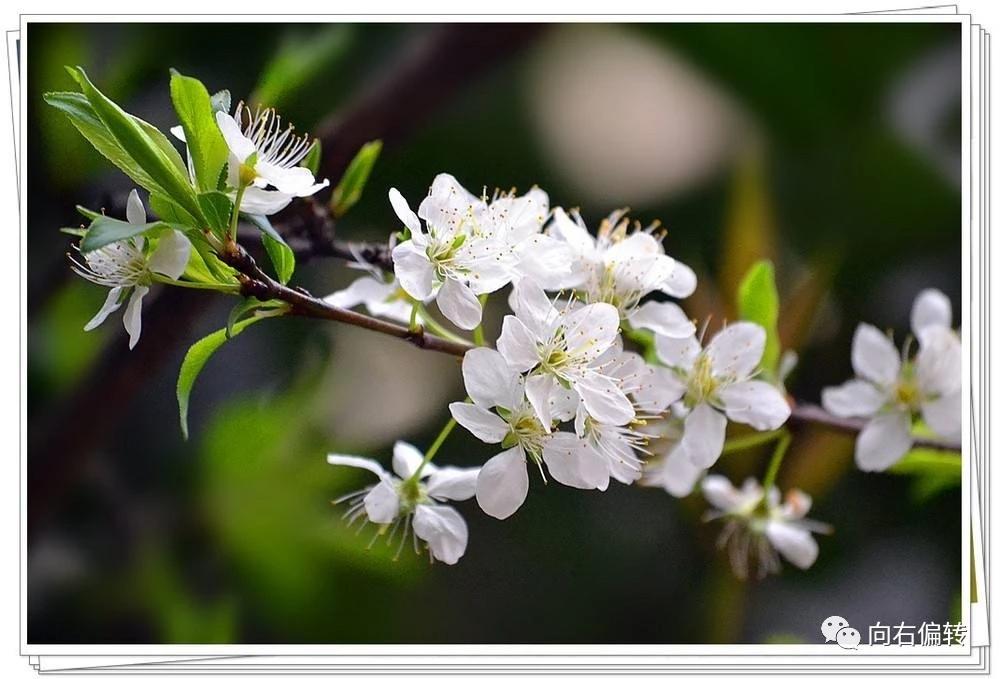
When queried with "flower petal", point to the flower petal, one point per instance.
{"points": [[171, 256], [135, 213], [604, 399], [756, 403], [132, 317], [406, 459], [517, 345], [573, 462], [111, 304], [539, 390], [459, 304], [854, 398], [591, 330], [939, 361], [676, 475], [258, 201], [736, 351], [443, 529], [414, 271], [874, 356], [681, 282], [502, 485], [382, 503], [357, 462], [483, 424], [794, 543], [489, 381], [722, 494], [678, 353], [944, 416], [883, 441], [403, 211], [931, 308], [704, 435], [663, 318], [453, 483], [240, 146]]}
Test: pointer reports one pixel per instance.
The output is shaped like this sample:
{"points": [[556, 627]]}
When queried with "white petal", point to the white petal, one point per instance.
{"points": [[361, 291], [448, 204], [661, 389], [591, 330], [532, 306], [546, 261], [171, 256], [517, 345], [874, 356], [132, 317], [794, 543], [681, 282], [573, 462], [443, 529], [883, 441], [403, 211], [944, 415], [453, 483], [756, 403], [663, 318], [489, 381], [240, 146], [678, 353], [459, 304], [604, 399], [382, 503], [539, 390], [721, 493], [110, 305], [573, 232], [483, 424], [134, 210], [406, 458], [676, 475], [414, 271], [931, 308], [503, 483], [261, 202], [704, 435], [854, 398], [178, 132], [358, 462], [939, 361], [736, 351], [292, 181]]}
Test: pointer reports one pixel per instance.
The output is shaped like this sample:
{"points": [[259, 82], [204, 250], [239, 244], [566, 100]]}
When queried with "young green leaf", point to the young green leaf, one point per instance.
{"points": [[352, 184], [209, 151], [144, 150], [106, 230], [195, 360], [169, 211], [217, 208], [282, 257], [758, 302]]}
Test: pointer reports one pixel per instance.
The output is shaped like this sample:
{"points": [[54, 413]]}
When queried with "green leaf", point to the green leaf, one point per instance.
{"points": [[217, 208], [311, 161], [208, 148], [348, 191], [105, 230], [758, 302], [301, 59], [929, 462], [282, 257], [169, 211], [144, 150], [195, 360], [87, 212]]}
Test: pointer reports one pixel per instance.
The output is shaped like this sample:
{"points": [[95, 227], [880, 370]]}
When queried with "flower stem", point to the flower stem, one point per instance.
{"points": [[414, 310], [739, 443], [477, 334], [235, 220], [231, 288], [432, 451], [776, 458], [436, 327]]}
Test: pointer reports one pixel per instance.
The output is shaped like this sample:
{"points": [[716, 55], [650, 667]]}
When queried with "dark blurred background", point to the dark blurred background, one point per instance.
{"points": [[832, 149]]}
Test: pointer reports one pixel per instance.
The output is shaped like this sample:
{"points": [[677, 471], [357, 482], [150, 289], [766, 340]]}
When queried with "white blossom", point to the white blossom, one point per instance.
{"points": [[892, 389], [126, 268], [720, 385], [379, 292], [398, 500], [759, 526], [621, 267], [670, 469], [501, 413], [259, 148], [559, 348]]}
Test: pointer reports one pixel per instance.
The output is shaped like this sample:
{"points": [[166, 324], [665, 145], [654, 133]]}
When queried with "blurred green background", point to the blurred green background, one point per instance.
{"points": [[833, 149]]}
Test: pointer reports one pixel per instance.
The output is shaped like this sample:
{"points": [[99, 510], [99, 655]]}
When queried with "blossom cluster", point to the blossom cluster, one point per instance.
{"points": [[562, 391]]}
